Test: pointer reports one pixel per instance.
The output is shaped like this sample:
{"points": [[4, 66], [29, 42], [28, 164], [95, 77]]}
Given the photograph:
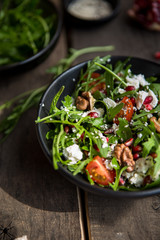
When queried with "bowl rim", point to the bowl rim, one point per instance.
{"points": [[40, 53], [95, 189]]}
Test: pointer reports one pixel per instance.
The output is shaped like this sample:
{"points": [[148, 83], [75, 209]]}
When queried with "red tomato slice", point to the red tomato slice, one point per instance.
{"points": [[99, 173], [126, 112]]}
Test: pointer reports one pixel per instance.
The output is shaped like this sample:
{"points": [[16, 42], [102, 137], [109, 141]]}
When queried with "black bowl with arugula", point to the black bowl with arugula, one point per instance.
{"points": [[99, 125], [29, 31]]}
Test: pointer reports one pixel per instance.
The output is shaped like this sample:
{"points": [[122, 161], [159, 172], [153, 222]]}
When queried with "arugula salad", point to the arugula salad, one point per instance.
{"points": [[109, 129]]}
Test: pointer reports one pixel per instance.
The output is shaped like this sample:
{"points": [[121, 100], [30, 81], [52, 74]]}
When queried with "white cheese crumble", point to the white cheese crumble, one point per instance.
{"points": [[136, 81], [100, 112], [109, 102], [142, 165], [121, 90], [136, 179], [140, 99], [73, 153], [155, 100]]}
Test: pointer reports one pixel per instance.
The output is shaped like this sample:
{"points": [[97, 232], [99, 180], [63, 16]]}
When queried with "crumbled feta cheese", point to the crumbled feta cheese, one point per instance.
{"points": [[73, 153], [143, 164], [149, 115], [155, 100], [104, 140], [132, 82], [142, 80], [140, 99], [109, 102], [136, 81], [139, 135], [136, 179], [100, 112], [121, 90]]}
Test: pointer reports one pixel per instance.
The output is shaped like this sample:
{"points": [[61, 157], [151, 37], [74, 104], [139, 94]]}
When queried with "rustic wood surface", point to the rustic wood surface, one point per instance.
{"points": [[38, 201]]}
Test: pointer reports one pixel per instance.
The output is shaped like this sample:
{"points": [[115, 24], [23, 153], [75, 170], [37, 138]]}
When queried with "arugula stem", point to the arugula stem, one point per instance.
{"points": [[111, 72]]}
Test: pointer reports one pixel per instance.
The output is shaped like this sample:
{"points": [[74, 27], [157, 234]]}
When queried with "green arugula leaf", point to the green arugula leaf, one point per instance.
{"points": [[112, 112], [68, 101], [124, 130]]}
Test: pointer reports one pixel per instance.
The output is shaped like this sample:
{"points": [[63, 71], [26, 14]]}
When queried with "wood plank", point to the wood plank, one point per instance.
{"points": [[38, 201], [112, 218]]}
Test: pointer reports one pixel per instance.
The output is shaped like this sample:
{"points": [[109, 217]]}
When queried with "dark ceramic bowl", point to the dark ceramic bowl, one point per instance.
{"points": [[142, 66], [80, 21], [48, 9]]}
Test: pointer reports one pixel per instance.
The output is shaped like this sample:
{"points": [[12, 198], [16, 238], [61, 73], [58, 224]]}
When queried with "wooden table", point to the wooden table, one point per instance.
{"points": [[38, 201]]}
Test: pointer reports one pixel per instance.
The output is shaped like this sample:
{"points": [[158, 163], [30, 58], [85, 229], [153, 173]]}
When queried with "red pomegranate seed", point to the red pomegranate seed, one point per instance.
{"points": [[154, 155], [148, 107], [121, 181], [148, 100], [133, 100], [130, 88], [137, 148], [67, 129], [96, 148], [82, 136], [135, 156], [147, 180], [157, 55], [93, 114], [107, 139], [129, 142]]}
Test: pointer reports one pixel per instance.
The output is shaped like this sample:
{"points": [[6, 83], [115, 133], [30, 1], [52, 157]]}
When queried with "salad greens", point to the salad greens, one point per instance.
{"points": [[23, 102], [24, 30], [109, 129]]}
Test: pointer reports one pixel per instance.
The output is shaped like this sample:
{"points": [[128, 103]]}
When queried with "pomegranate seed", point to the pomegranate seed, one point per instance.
{"points": [[130, 88], [157, 55], [93, 114], [137, 148], [129, 142], [121, 181], [67, 129], [154, 155], [96, 148], [135, 156], [82, 136], [107, 139], [148, 107], [147, 180], [148, 100], [133, 100]]}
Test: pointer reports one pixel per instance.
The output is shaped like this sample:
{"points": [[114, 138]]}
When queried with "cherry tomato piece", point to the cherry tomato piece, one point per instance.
{"points": [[126, 112], [99, 173]]}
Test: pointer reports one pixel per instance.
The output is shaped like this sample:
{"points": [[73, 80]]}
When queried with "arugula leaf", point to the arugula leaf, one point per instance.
{"points": [[144, 113], [67, 101], [124, 130], [55, 100], [112, 112], [147, 146]]}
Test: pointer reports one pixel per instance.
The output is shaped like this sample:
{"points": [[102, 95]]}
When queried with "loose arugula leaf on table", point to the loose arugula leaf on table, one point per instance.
{"points": [[7, 125]]}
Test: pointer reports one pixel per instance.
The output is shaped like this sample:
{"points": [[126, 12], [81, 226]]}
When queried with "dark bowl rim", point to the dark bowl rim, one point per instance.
{"points": [[113, 14], [106, 192], [53, 40]]}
